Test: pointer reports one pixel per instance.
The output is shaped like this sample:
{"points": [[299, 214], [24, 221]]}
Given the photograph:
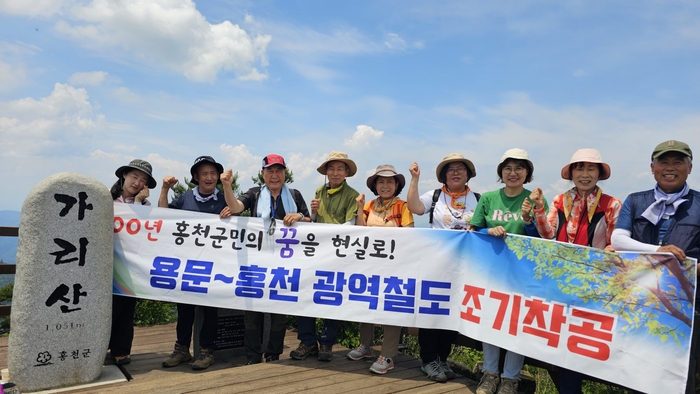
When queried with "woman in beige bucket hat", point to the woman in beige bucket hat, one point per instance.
{"points": [[387, 210], [335, 203], [582, 216], [450, 207]]}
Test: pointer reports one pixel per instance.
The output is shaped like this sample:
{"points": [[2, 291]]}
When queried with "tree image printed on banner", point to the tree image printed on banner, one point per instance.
{"points": [[650, 292]]}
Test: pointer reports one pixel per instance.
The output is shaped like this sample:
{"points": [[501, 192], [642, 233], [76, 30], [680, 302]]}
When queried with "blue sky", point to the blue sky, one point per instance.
{"points": [[88, 85]]}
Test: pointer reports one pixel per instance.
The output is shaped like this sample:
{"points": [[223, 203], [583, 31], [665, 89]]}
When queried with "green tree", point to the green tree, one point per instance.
{"points": [[259, 181], [633, 289]]}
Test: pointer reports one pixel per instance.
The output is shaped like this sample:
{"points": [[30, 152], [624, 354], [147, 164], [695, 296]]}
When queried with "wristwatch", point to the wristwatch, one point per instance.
{"points": [[302, 216]]}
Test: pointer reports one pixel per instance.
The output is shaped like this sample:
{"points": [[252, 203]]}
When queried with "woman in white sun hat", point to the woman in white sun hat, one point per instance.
{"points": [[500, 212]]}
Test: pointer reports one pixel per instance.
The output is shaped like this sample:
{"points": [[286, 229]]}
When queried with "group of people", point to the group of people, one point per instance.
{"points": [[663, 219]]}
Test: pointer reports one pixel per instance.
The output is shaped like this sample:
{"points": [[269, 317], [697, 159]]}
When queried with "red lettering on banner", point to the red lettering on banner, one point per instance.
{"points": [[133, 227], [502, 307], [156, 226], [515, 315], [130, 229], [591, 337], [118, 224], [536, 313], [472, 292]]}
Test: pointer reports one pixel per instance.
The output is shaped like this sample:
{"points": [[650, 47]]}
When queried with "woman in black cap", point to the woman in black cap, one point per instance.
{"points": [[134, 181], [131, 188], [204, 198]]}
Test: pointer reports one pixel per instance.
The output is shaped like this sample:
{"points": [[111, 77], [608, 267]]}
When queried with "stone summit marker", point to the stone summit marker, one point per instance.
{"points": [[62, 299]]}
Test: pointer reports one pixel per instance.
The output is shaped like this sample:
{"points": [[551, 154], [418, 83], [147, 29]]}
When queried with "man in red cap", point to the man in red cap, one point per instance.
{"points": [[273, 201]]}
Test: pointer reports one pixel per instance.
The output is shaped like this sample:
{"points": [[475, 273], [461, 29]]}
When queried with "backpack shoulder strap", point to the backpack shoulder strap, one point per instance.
{"points": [[436, 196]]}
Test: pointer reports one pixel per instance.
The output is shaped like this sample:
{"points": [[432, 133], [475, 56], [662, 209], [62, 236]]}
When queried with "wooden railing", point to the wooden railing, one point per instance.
{"points": [[7, 269]]}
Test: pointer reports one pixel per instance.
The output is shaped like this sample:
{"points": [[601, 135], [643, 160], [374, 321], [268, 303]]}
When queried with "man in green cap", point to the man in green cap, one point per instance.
{"points": [[665, 219]]}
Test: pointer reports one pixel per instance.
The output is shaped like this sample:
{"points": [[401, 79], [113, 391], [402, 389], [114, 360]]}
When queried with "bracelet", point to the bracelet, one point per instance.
{"points": [[302, 216]]}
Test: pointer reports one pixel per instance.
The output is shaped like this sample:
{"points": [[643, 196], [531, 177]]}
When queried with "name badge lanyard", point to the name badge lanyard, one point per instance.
{"points": [[273, 223]]}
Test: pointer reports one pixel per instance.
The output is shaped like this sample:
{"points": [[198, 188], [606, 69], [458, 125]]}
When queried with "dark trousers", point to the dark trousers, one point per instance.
{"points": [[185, 322], [306, 331], [122, 335], [435, 343], [570, 382], [254, 322]]}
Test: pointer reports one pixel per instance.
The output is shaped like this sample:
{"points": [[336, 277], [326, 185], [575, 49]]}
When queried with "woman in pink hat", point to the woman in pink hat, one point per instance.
{"points": [[582, 216], [387, 210]]}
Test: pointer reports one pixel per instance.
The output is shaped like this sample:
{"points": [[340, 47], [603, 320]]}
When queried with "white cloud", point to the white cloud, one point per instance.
{"points": [[304, 166], [394, 42], [363, 137], [309, 42], [125, 95], [168, 166], [13, 71], [91, 78], [32, 8], [12, 76], [34, 127], [170, 33], [312, 71], [625, 139], [309, 51], [240, 160]]}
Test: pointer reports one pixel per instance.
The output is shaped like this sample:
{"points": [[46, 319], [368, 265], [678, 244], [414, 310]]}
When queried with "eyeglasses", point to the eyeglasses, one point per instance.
{"points": [[517, 170], [456, 170]]}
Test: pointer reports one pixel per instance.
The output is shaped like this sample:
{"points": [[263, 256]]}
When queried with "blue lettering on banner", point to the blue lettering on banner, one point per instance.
{"points": [[251, 281], [426, 295], [196, 273], [330, 294], [280, 278], [164, 271], [396, 300], [287, 251], [359, 284]]}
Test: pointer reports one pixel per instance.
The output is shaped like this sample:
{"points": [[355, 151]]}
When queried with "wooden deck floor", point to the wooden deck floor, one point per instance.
{"points": [[153, 344]]}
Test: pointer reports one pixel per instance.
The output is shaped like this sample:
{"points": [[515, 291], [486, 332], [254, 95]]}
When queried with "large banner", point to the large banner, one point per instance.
{"points": [[622, 317]]}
